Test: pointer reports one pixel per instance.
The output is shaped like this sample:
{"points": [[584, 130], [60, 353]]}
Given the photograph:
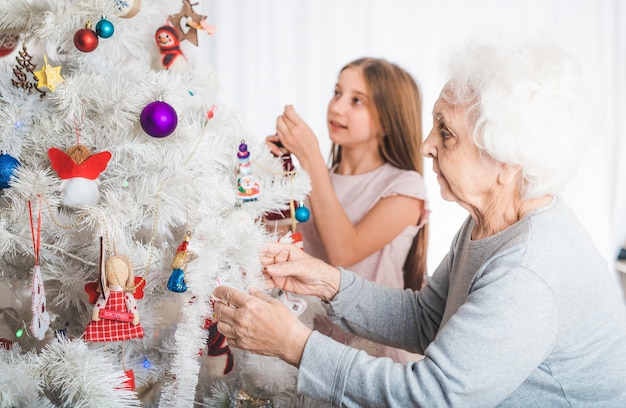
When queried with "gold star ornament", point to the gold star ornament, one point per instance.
{"points": [[48, 76]]}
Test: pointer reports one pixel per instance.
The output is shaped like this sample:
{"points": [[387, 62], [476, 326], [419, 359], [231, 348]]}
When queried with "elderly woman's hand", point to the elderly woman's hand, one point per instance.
{"points": [[259, 323], [289, 268]]}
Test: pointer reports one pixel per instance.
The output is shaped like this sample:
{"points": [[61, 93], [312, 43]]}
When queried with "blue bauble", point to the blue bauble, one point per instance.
{"points": [[8, 164], [104, 28], [302, 214]]}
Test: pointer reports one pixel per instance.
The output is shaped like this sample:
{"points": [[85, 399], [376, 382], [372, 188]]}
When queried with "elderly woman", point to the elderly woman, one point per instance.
{"points": [[521, 312]]}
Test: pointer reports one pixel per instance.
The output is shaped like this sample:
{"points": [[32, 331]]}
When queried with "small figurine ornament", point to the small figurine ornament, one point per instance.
{"points": [[172, 57], [176, 283], [248, 188], [115, 315], [79, 170]]}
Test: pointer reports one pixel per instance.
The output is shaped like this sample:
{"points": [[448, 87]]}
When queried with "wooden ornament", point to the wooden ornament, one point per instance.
{"points": [[187, 31]]}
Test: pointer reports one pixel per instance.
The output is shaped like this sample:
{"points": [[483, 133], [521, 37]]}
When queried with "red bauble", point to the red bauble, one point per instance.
{"points": [[86, 40], [8, 42]]}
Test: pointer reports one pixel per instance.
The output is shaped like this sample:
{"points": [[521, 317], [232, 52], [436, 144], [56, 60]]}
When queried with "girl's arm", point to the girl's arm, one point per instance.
{"points": [[345, 243]]}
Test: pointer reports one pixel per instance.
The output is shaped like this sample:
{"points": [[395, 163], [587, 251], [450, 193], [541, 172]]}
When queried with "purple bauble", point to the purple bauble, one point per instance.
{"points": [[158, 119]]}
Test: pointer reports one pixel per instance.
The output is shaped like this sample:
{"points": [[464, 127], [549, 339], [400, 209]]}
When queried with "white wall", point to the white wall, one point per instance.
{"points": [[271, 53]]}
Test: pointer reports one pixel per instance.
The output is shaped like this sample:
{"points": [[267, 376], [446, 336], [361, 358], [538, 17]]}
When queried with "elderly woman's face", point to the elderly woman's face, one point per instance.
{"points": [[462, 173]]}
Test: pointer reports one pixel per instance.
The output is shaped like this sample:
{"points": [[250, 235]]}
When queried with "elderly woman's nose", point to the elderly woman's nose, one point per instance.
{"points": [[427, 149]]}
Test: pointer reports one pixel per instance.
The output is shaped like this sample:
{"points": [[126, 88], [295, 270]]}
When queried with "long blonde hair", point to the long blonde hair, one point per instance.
{"points": [[398, 107]]}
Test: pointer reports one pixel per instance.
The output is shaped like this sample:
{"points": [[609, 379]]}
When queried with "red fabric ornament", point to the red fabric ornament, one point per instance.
{"points": [[105, 330], [109, 320], [66, 167]]}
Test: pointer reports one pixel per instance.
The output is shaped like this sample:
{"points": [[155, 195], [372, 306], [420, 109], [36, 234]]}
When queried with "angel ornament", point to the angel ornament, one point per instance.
{"points": [[79, 170], [115, 316]]}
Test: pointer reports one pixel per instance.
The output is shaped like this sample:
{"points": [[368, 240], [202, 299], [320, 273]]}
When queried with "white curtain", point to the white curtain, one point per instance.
{"points": [[270, 53]]}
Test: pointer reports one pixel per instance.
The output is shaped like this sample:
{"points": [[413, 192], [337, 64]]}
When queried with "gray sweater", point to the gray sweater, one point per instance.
{"points": [[528, 317]]}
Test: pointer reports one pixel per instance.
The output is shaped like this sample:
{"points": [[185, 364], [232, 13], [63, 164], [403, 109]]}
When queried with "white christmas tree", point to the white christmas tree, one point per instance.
{"points": [[118, 162]]}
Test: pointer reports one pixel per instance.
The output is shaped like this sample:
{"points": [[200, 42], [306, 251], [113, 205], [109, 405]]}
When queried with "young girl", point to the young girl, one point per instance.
{"points": [[368, 213]]}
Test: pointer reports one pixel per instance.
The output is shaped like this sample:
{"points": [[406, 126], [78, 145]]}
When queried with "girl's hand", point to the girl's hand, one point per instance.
{"points": [[298, 138], [259, 323], [275, 146], [289, 268]]}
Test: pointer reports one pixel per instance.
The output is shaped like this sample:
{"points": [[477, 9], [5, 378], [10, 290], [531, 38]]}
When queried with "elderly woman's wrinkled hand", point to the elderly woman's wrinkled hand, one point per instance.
{"points": [[259, 323], [289, 268]]}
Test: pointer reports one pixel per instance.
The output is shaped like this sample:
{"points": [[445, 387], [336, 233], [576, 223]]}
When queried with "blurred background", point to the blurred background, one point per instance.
{"points": [[271, 53]]}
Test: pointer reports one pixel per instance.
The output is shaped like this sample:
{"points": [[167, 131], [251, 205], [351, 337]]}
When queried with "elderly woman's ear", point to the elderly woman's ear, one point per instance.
{"points": [[509, 173]]}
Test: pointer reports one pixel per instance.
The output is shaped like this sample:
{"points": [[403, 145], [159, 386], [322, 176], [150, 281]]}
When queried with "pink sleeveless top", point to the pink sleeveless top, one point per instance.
{"points": [[358, 194]]}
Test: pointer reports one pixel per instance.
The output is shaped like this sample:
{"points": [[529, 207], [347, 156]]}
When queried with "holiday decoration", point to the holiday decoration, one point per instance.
{"points": [[140, 195], [22, 70], [248, 188], [8, 42], [189, 33], [129, 380], [8, 165], [48, 77], [297, 304], [203, 25], [128, 8], [288, 169], [171, 55], [79, 169], [302, 213], [158, 119], [217, 345], [104, 28], [86, 39], [176, 282], [115, 315], [41, 318]]}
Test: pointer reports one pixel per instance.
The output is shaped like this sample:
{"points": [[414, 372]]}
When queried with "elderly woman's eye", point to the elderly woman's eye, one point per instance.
{"points": [[443, 131]]}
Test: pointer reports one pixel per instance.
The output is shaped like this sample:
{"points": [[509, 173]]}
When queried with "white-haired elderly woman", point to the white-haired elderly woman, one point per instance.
{"points": [[521, 312]]}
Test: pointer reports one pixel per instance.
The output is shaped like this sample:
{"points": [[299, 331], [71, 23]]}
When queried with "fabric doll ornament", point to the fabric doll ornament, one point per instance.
{"points": [[115, 315], [79, 170]]}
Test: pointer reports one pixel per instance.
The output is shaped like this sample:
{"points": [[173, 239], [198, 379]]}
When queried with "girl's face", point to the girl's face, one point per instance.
{"points": [[350, 123]]}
